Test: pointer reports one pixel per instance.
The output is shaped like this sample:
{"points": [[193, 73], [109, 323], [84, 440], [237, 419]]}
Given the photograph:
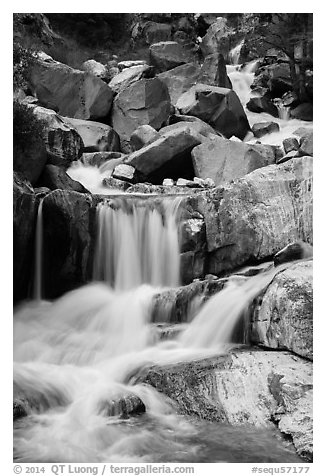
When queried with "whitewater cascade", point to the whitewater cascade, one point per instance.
{"points": [[37, 292], [234, 54], [137, 242]]}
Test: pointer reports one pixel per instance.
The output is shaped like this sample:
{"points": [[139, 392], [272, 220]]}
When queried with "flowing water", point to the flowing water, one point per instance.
{"points": [[74, 358], [37, 293]]}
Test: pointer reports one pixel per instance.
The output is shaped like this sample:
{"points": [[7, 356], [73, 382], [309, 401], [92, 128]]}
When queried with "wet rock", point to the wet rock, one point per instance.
{"points": [[128, 76], [124, 172], [54, 177], [115, 184], [240, 388], [24, 218], [293, 251], [97, 69], [96, 136], [289, 156], [304, 112], [63, 143], [219, 107], [262, 103], [306, 144], [19, 410], [70, 92], [180, 79], [223, 160], [283, 320], [143, 135], [167, 55], [97, 159], [213, 72], [146, 101], [290, 144], [262, 128], [259, 214], [123, 407]]}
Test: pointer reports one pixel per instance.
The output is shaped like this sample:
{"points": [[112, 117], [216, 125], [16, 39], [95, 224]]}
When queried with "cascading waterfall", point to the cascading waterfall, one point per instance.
{"points": [[235, 53], [137, 242], [37, 292]]}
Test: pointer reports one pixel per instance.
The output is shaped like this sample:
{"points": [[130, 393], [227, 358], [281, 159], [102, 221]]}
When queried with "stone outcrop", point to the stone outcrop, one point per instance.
{"points": [[219, 107], [63, 143], [283, 320], [68, 91], [128, 76], [96, 136], [25, 206], [223, 160], [166, 55], [147, 101], [243, 387]]}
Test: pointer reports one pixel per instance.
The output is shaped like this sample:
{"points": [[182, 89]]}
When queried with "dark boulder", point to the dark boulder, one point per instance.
{"points": [[262, 128]]}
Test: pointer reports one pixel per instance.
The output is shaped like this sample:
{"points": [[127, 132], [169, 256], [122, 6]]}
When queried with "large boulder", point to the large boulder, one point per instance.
{"points": [[213, 72], [255, 216], [143, 135], [128, 76], [25, 206], [54, 177], [180, 79], [167, 55], [219, 107], [262, 128], [224, 160], [283, 319], [304, 112], [169, 155], [243, 387], [306, 144], [262, 103], [96, 136], [68, 91], [216, 31], [63, 143], [146, 101], [97, 69]]}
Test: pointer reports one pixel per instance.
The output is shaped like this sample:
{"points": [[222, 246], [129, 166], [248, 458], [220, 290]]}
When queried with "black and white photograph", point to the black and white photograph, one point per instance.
{"points": [[162, 241]]}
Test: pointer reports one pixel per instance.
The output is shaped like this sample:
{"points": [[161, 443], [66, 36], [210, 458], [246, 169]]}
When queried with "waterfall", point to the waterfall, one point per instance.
{"points": [[137, 242], [283, 111], [234, 54], [37, 291]]}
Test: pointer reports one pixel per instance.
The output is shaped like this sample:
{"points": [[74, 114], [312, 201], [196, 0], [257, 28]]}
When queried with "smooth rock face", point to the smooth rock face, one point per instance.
{"points": [[147, 101], [24, 216], [257, 215], [219, 107], [262, 128], [96, 136], [166, 55], [174, 147], [54, 177], [180, 79], [283, 320], [143, 135], [243, 387], [63, 142], [223, 160], [128, 76], [70, 92]]}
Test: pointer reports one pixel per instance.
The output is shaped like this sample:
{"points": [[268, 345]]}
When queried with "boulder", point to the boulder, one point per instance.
{"points": [[243, 387], [70, 92], [54, 177], [96, 136], [211, 41], [115, 184], [30, 157], [128, 76], [262, 128], [124, 172], [213, 72], [169, 155], [25, 206], [202, 127], [289, 156], [258, 215], [180, 79], [97, 159], [166, 55], [146, 101], [223, 160], [306, 144], [219, 107], [262, 103], [283, 320], [279, 81], [304, 112], [97, 69], [290, 144], [143, 135], [293, 251], [63, 143]]}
